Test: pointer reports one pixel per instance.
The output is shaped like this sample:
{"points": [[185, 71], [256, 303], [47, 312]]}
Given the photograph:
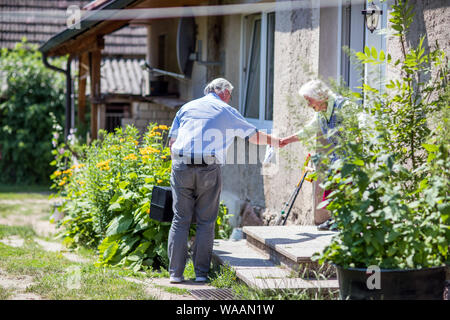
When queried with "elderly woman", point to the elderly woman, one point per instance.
{"points": [[327, 105]]}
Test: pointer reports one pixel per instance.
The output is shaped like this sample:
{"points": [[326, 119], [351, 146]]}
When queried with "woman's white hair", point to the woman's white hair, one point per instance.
{"points": [[315, 89], [218, 86]]}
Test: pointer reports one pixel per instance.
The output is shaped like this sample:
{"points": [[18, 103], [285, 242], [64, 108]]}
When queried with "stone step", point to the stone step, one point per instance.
{"points": [[258, 271], [291, 246]]}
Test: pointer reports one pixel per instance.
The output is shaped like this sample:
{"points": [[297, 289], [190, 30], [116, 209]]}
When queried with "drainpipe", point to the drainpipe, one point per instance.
{"points": [[68, 90]]}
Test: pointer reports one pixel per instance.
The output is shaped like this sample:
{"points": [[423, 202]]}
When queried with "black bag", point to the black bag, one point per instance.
{"points": [[161, 205]]}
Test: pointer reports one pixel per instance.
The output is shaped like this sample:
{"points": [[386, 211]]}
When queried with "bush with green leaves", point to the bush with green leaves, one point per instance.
{"points": [[390, 197], [107, 190], [29, 94]]}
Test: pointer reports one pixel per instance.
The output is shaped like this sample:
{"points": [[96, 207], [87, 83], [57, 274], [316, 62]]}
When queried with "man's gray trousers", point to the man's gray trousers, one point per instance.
{"points": [[195, 191]]}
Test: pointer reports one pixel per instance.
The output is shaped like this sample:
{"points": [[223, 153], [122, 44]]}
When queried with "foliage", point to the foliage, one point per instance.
{"points": [[390, 184], [29, 94], [107, 192], [223, 229]]}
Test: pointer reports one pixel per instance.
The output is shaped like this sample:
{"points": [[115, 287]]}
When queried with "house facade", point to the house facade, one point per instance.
{"points": [[267, 50]]}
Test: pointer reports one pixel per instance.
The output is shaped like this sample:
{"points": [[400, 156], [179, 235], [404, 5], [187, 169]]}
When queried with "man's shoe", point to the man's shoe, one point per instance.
{"points": [[327, 225], [176, 279], [201, 279]]}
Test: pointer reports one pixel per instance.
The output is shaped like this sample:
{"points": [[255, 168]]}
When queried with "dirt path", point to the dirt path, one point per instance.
{"points": [[39, 221]]}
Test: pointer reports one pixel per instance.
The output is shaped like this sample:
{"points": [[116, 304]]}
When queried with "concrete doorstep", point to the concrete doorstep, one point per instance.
{"points": [[273, 257]]}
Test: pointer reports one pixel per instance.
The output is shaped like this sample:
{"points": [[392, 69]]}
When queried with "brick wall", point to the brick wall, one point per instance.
{"points": [[143, 113]]}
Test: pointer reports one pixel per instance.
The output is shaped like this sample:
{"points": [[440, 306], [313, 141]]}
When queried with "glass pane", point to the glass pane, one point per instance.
{"points": [[252, 95], [269, 65]]}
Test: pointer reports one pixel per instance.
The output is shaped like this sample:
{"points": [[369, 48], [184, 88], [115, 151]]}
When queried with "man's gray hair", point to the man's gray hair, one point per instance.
{"points": [[218, 86], [315, 89]]}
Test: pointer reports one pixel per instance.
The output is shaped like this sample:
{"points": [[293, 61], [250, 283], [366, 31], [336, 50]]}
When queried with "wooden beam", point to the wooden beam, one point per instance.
{"points": [[94, 70], [79, 46], [83, 62]]}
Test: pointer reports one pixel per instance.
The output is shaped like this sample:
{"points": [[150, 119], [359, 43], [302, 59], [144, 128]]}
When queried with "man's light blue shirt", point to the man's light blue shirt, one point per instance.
{"points": [[206, 127]]}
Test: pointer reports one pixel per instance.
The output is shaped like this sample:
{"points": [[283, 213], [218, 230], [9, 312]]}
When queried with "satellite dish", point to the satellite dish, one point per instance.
{"points": [[186, 39]]}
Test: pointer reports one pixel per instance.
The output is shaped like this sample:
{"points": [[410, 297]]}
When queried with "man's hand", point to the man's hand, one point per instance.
{"points": [[285, 141], [261, 138], [171, 142]]}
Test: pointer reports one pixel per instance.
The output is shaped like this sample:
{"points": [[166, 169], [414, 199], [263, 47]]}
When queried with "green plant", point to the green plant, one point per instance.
{"points": [[223, 229], [29, 94], [390, 186]]}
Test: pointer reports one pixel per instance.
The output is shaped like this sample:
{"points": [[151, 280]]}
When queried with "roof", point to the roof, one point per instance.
{"points": [[128, 41], [122, 76]]}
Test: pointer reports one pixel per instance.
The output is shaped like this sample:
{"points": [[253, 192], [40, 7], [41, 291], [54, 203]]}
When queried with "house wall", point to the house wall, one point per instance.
{"points": [[432, 19]]}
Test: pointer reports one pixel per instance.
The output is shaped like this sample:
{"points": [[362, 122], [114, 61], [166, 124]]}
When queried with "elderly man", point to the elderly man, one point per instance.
{"points": [[201, 132], [327, 105]]}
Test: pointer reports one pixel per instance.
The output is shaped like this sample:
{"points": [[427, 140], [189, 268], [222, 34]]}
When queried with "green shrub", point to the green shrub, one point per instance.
{"points": [[390, 187], [29, 94]]}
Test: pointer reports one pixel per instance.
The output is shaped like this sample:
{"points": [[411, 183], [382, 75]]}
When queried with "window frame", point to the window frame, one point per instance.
{"points": [[260, 123]]}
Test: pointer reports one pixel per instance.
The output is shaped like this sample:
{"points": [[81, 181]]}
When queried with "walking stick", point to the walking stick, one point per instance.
{"points": [[290, 203]]}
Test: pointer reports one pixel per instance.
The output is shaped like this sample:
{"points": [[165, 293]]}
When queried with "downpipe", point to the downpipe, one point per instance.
{"points": [[67, 73]]}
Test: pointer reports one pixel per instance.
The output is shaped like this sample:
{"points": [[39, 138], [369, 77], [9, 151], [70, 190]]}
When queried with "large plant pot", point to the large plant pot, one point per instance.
{"points": [[410, 284]]}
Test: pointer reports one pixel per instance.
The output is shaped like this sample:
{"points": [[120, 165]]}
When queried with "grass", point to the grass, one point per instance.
{"points": [[25, 232], [5, 293], [54, 276], [173, 290]]}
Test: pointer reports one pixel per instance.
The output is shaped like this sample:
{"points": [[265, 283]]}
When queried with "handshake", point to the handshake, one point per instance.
{"points": [[262, 138]]}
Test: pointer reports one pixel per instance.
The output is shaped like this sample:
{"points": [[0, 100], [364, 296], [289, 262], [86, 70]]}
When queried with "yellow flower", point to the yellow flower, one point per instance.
{"points": [[163, 127], [158, 133], [148, 150], [57, 173], [163, 157], [62, 183], [131, 156], [148, 210], [159, 181], [82, 182], [136, 142], [122, 140], [104, 165]]}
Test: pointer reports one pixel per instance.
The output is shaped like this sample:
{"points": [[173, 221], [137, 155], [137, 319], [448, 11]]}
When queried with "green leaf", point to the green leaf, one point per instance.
{"points": [[119, 225], [347, 169], [110, 251], [374, 53], [114, 207], [430, 147], [358, 162], [382, 55], [123, 184]]}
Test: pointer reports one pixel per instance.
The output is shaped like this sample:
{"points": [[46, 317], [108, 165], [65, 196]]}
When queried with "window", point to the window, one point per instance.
{"points": [[257, 62]]}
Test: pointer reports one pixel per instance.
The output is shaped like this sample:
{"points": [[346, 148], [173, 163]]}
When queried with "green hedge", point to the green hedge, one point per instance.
{"points": [[29, 94]]}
